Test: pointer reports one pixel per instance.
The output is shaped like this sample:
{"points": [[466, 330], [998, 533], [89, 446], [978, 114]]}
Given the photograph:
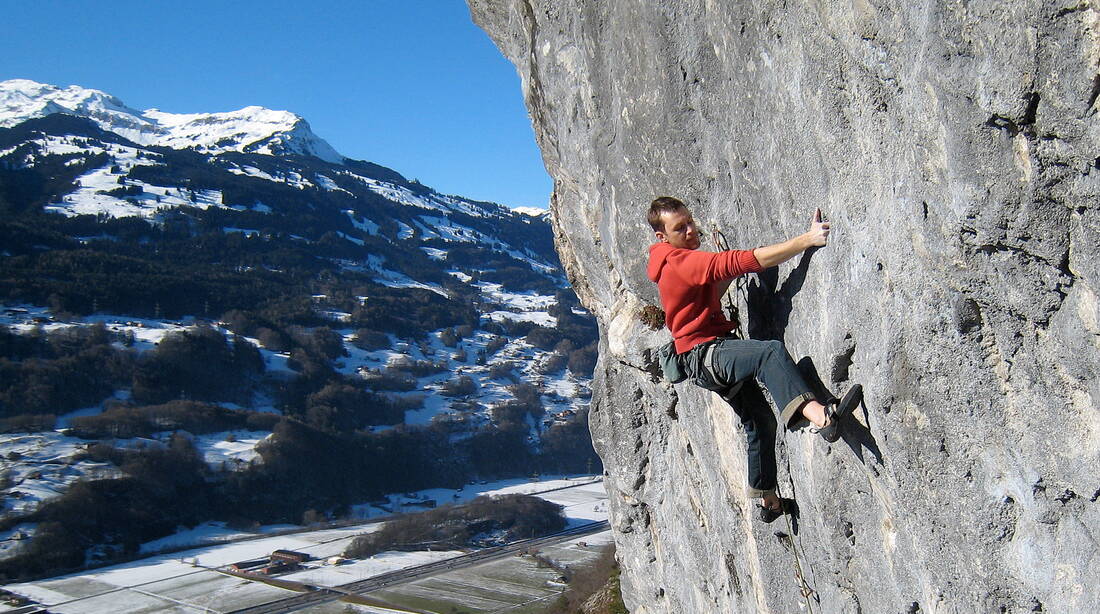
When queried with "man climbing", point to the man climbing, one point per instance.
{"points": [[691, 283]]}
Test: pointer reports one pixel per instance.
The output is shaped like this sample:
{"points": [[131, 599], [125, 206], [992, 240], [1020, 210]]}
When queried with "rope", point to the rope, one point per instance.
{"points": [[803, 584], [739, 285], [740, 289]]}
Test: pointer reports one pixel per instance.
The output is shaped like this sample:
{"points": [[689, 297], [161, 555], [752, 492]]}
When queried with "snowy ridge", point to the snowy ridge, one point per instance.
{"points": [[436, 202], [533, 212], [22, 99], [249, 130]]}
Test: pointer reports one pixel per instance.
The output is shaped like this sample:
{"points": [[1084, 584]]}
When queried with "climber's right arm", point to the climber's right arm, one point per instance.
{"points": [[816, 236]]}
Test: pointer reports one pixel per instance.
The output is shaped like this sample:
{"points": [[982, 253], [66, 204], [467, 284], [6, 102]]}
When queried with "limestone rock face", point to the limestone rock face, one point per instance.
{"points": [[954, 146]]}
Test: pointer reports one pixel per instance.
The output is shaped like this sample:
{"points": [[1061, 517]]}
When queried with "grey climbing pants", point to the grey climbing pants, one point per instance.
{"points": [[728, 366]]}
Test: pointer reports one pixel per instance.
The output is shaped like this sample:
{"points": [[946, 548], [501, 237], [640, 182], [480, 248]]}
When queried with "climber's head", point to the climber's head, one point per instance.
{"points": [[672, 223]]}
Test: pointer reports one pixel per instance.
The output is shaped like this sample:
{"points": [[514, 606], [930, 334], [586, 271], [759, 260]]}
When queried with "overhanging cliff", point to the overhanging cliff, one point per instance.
{"points": [[954, 146]]}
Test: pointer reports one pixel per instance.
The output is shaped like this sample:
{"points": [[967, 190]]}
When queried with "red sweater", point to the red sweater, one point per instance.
{"points": [[686, 280]]}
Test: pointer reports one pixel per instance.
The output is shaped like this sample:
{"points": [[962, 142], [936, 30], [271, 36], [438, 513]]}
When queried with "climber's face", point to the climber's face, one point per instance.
{"points": [[680, 230]]}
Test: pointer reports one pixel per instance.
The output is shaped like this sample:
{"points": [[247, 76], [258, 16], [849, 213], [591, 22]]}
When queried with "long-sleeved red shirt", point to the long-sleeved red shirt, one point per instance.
{"points": [[686, 280]]}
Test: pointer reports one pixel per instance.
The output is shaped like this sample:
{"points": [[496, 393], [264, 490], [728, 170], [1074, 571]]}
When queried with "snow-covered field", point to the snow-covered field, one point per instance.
{"points": [[185, 581], [519, 584], [92, 197], [572, 492], [41, 466]]}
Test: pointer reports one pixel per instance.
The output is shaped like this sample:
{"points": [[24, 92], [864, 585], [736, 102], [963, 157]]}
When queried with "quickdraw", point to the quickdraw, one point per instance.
{"points": [[739, 285]]}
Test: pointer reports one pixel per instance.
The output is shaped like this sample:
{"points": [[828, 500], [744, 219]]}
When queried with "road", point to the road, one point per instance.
{"points": [[401, 576]]}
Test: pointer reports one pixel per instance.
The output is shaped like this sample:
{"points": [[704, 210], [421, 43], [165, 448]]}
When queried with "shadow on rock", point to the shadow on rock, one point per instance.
{"points": [[856, 435], [769, 304]]}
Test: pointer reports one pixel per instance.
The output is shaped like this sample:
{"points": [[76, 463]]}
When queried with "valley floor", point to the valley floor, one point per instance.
{"points": [[188, 581]]}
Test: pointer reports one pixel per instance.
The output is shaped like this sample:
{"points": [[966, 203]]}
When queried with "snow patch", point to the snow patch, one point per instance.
{"points": [[229, 449], [405, 232], [42, 466], [448, 230], [328, 184], [290, 178], [538, 317], [355, 240], [364, 224], [521, 301], [435, 254], [393, 279]]}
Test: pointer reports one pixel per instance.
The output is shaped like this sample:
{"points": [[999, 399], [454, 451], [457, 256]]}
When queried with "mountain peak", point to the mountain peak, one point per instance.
{"points": [[253, 129], [22, 99]]}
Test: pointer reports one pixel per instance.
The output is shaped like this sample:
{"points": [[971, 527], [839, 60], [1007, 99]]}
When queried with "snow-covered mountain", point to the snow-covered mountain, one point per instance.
{"points": [[135, 172], [249, 130], [128, 167]]}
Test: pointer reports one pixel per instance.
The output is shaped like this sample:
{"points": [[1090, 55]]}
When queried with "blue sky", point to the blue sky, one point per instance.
{"points": [[413, 85]]}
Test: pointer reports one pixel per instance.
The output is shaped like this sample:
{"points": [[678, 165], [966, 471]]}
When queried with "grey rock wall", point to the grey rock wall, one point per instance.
{"points": [[956, 148]]}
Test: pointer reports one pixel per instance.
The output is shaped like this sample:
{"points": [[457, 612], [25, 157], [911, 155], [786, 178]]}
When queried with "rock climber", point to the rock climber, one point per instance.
{"points": [[691, 283]]}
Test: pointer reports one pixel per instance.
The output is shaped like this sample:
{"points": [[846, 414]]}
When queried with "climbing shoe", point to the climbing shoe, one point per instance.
{"points": [[836, 412], [768, 514]]}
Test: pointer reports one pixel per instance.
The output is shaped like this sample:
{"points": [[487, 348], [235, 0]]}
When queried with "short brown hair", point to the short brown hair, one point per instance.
{"points": [[659, 206]]}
